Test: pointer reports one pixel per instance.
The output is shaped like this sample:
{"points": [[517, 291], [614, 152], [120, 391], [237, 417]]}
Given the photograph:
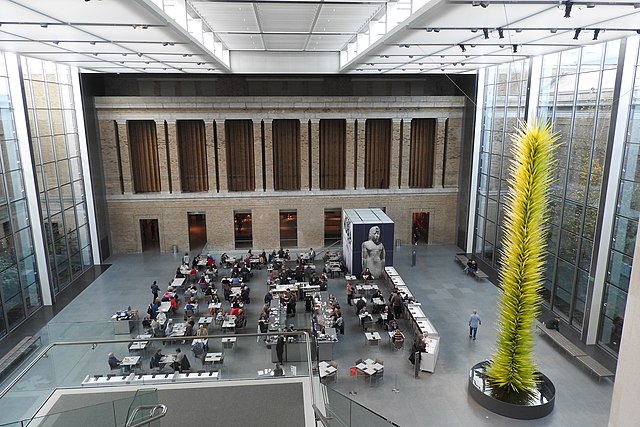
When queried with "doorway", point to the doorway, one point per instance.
{"points": [[243, 230], [420, 228], [197, 231], [149, 235]]}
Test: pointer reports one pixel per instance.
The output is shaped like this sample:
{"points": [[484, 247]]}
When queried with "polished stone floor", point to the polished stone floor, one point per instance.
{"points": [[439, 399]]}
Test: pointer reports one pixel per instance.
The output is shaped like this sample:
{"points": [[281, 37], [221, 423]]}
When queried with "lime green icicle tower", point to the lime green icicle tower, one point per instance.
{"points": [[512, 372]]}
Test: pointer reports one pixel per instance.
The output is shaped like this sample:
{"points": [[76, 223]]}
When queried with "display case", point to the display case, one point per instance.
{"points": [[429, 357]]}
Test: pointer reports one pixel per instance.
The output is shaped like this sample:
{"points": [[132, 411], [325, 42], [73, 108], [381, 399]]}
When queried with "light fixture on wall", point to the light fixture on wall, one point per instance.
{"points": [[485, 31], [596, 33], [567, 9], [462, 48], [577, 33], [500, 33]]}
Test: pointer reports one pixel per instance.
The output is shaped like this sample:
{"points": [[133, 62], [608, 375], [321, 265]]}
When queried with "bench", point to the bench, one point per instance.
{"points": [[462, 259], [17, 354], [561, 340], [585, 360], [595, 367]]}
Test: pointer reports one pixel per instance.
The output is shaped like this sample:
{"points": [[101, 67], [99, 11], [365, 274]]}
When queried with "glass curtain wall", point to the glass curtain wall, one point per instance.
{"points": [[576, 96], [55, 145], [625, 228], [19, 289], [504, 105]]}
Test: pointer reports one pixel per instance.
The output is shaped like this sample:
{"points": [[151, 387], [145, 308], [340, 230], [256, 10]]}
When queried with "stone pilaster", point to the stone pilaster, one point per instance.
{"points": [[110, 160], [438, 160], [211, 156], [173, 160], [454, 149], [406, 154], [304, 155], [125, 157], [222, 157], [360, 158], [163, 162], [220, 226], [314, 161], [396, 141], [268, 154], [350, 155], [257, 154]]}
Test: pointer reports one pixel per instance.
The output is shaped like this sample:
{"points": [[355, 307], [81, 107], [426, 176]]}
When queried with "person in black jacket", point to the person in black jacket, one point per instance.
{"points": [[280, 349]]}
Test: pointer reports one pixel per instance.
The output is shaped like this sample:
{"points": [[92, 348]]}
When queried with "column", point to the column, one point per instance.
{"points": [[626, 388], [268, 154], [166, 170], [222, 157], [125, 156], [173, 163], [359, 161], [110, 160], [396, 140], [406, 153], [257, 154], [211, 155], [349, 155], [304, 155], [438, 160], [314, 161]]}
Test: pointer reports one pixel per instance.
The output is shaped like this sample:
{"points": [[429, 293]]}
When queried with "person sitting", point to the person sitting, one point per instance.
{"points": [[377, 294], [241, 320], [366, 275], [244, 294], [202, 331], [360, 304], [397, 339], [263, 322], [161, 318], [190, 307], [223, 259], [553, 323], [168, 330], [182, 363], [393, 325], [278, 371], [114, 362], [471, 267], [146, 321], [173, 308], [155, 359]]}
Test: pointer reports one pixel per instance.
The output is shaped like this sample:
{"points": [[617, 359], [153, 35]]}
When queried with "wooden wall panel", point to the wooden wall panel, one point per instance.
{"points": [[240, 155], [422, 152], [144, 156], [192, 152], [377, 153], [286, 155], [333, 146]]}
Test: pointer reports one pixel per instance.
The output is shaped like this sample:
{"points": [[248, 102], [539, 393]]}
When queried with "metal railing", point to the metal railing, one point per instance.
{"points": [[153, 416], [78, 357]]}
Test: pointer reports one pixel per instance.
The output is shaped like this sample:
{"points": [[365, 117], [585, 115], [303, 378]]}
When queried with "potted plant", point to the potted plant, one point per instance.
{"points": [[511, 384]]}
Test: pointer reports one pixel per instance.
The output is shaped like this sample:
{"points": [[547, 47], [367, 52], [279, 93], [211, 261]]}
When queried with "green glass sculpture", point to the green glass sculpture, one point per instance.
{"points": [[512, 371]]}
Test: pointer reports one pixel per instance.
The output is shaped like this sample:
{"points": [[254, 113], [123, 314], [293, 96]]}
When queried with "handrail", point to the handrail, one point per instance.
{"points": [[324, 420], [152, 416], [43, 353]]}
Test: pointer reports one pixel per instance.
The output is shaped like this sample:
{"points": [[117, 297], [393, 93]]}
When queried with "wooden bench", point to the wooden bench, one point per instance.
{"points": [[595, 367], [462, 259], [585, 360], [17, 354], [561, 340]]}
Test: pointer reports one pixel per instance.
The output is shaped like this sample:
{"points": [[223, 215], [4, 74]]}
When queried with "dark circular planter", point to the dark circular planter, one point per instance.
{"points": [[540, 405]]}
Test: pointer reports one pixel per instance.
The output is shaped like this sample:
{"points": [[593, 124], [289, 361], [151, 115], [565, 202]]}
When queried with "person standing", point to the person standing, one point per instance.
{"points": [[154, 290], [474, 321], [280, 349]]}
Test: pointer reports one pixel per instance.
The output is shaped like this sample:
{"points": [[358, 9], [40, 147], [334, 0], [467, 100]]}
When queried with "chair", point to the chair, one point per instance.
{"points": [[398, 344], [359, 372], [332, 377], [367, 324], [378, 376]]}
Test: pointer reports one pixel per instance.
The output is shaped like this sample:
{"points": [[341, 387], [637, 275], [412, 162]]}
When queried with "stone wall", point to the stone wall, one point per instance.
{"points": [[170, 206]]}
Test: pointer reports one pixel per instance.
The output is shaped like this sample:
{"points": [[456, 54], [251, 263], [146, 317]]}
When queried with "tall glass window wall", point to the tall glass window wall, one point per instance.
{"points": [[625, 228], [576, 96], [504, 105], [55, 142], [19, 289]]}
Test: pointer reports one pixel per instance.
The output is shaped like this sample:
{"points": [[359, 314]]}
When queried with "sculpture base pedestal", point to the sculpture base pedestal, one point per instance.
{"points": [[539, 405]]}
